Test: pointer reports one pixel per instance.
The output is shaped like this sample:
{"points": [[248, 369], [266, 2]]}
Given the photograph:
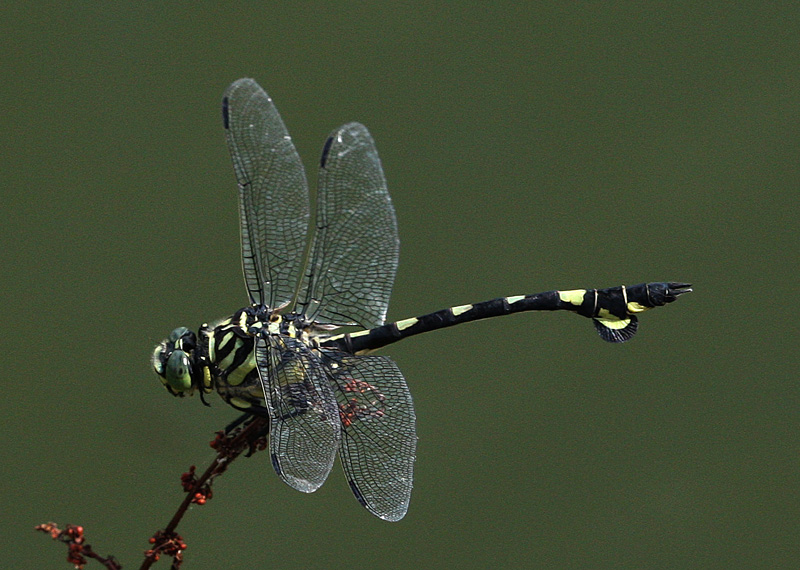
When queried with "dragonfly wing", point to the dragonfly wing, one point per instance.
{"points": [[305, 428], [355, 250], [378, 431], [273, 193]]}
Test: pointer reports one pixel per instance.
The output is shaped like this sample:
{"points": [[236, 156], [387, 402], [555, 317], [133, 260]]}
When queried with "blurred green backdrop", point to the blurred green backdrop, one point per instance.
{"points": [[527, 147]]}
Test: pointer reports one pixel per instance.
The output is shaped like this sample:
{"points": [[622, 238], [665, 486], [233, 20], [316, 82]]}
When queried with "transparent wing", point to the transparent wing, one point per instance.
{"points": [[273, 193], [355, 250], [305, 428], [378, 431]]}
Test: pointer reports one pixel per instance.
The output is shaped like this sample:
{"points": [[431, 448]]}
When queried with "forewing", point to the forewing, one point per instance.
{"points": [[273, 193], [355, 250], [304, 418], [378, 431]]}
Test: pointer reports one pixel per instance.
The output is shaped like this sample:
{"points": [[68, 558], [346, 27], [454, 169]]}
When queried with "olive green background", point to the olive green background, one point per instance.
{"points": [[527, 148]]}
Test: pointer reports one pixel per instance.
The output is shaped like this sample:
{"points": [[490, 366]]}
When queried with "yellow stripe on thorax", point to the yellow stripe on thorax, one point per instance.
{"points": [[238, 374]]}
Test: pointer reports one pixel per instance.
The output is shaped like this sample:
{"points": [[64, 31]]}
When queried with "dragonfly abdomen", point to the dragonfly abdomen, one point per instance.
{"points": [[613, 311]]}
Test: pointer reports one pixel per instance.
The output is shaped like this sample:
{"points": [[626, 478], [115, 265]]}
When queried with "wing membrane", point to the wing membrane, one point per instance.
{"points": [[273, 193], [304, 419], [378, 431], [355, 250]]}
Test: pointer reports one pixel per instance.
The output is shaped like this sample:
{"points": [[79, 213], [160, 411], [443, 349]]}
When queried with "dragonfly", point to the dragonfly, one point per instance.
{"points": [[301, 353]]}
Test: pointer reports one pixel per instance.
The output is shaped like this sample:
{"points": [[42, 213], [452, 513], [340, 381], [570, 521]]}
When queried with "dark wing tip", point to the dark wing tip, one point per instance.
{"points": [[276, 464], [349, 135], [225, 115], [614, 334], [325, 150], [231, 91], [393, 515], [357, 493]]}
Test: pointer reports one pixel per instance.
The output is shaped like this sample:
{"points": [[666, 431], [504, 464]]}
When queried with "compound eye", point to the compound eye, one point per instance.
{"points": [[178, 372], [157, 360], [178, 333]]}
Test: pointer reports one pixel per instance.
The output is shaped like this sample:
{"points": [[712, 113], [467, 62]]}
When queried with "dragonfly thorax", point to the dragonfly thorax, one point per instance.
{"points": [[222, 357]]}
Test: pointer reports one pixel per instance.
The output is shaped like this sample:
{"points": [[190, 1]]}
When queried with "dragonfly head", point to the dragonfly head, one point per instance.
{"points": [[175, 363]]}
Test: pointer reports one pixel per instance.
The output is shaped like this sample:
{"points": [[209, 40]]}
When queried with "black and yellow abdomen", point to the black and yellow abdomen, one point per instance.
{"points": [[613, 311]]}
